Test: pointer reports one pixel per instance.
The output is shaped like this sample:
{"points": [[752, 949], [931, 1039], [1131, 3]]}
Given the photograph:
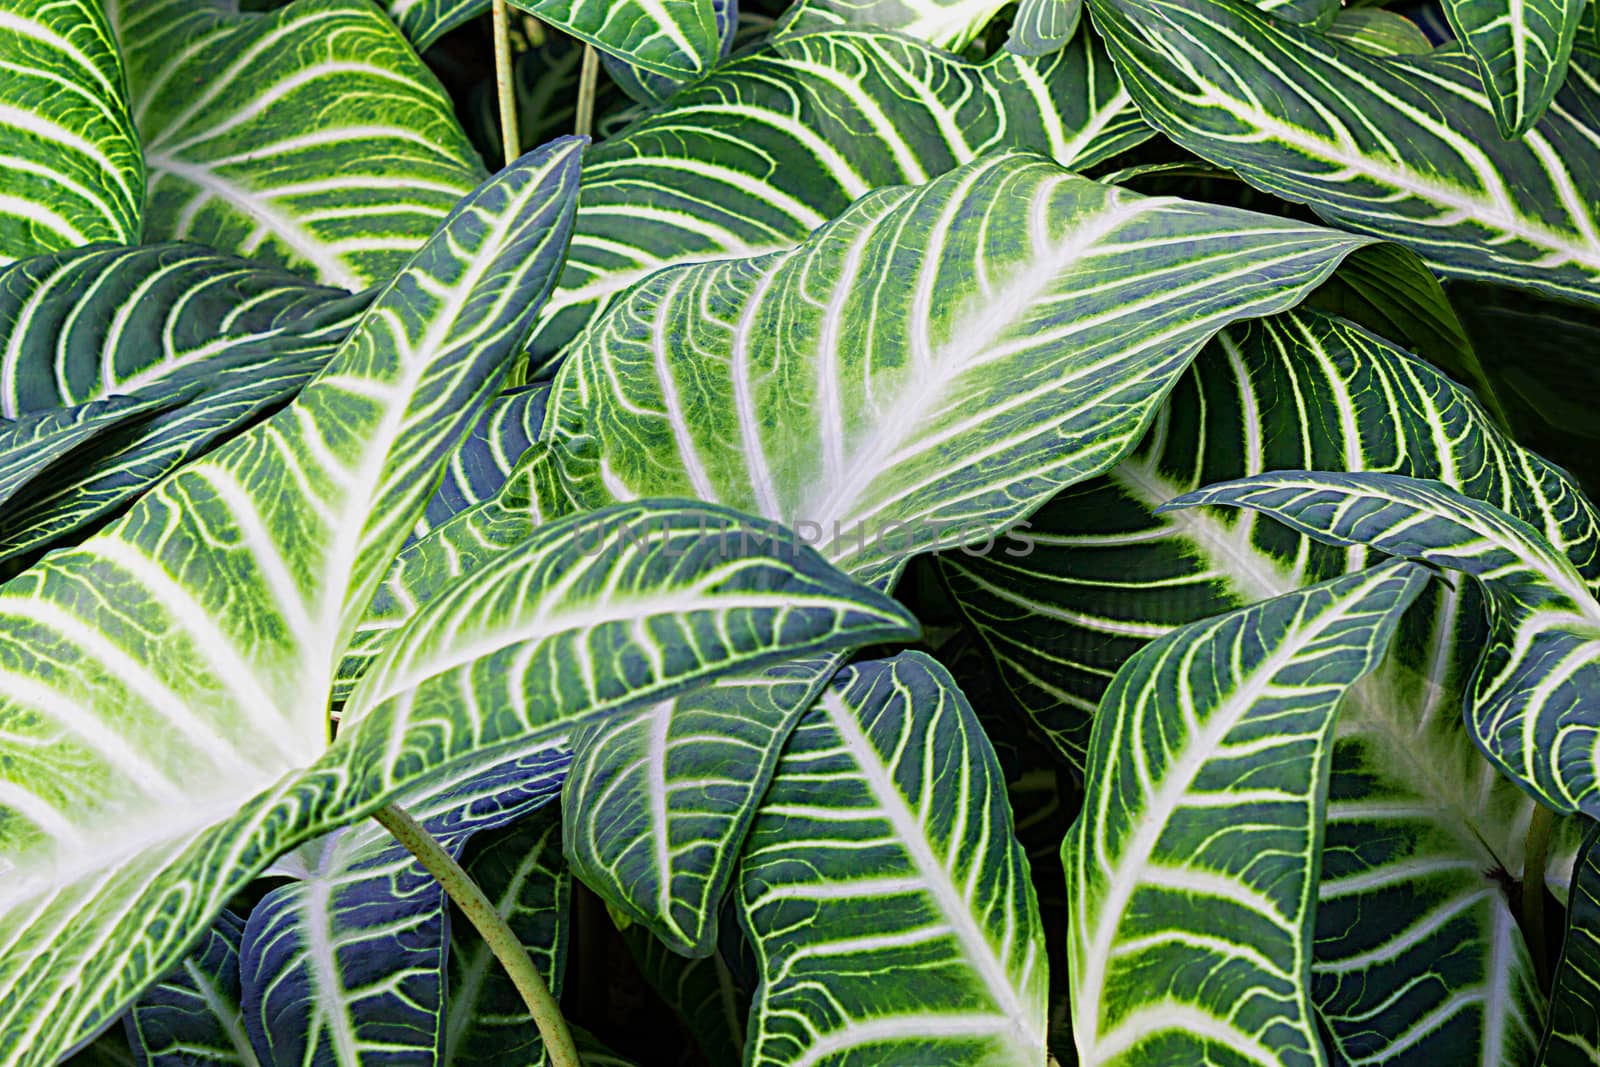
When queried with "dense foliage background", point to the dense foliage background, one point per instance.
{"points": [[933, 532]]}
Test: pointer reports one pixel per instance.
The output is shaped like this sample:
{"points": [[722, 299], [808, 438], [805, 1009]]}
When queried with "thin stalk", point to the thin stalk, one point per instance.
{"points": [[500, 938], [1534, 856], [510, 140], [588, 74]]}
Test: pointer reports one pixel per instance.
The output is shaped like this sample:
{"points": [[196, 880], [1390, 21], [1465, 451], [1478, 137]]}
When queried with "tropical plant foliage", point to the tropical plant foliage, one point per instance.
{"points": [[931, 532]]}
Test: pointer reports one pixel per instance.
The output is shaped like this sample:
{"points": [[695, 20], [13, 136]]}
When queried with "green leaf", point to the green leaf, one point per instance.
{"points": [[1024, 385], [703, 992], [425, 21], [206, 343], [658, 800], [948, 24], [73, 170], [652, 89], [1532, 705], [1406, 148], [344, 965], [1521, 52], [776, 143], [1573, 1036], [1107, 574], [85, 324], [430, 565], [168, 727], [1042, 26], [1418, 955], [484, 463], [1197, 852], [674, 38], [32, 445], [1379, 32], [887, 900], [311, 137], [828, 389], [193, 1015], [519, 867]]}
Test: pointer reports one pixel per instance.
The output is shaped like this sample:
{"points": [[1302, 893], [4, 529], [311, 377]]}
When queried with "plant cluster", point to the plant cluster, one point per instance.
{"points": [[889, 532]]}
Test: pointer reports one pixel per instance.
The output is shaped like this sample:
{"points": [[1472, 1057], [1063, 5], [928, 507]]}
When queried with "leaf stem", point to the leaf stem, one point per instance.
{"points": [[510, 139], [588, 74], [497, 934], [1534, 856]]}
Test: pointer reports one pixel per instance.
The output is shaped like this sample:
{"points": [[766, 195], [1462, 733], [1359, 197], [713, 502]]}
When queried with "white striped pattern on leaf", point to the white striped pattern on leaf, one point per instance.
{"points": [[1041, 26], [344, 965], [1521, 50], [519, 867], [917, 372], [949, 24], [659, 800], [29, 446], [883, 407], [425, 21], [651, 89], [1108, 574], [883, 849], [1418, 955], [776, 143], [81, 325], [68, 150], [482, 466], [1403, 147], [675, 38], [193, 1015], [1534, 705], [166, 677], [1572, 1038], [310, 137], [1196, 853]]}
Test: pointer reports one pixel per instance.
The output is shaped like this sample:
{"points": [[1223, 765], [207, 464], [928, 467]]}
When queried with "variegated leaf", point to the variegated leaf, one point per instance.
{"points": [[68, 150], [884, 850], [310, 137], [1192, 869], [776, 143], [1403, 147]]}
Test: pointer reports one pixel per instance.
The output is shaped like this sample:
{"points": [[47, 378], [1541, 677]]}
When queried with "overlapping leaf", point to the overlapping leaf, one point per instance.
{"points": [[776, 143], [311, 136], [155, 782], [520, 868], [1410, 791], [651, 89], [480, 468], [70, 155], [1572, 1038], [193, 1014], [345, 965], [1196, 856], [1521, 52], [204, 343], [1041, 26], [887, 900], [884, 425], [831, 390], [1402, 147], [1532, 706], [674, 38]]}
